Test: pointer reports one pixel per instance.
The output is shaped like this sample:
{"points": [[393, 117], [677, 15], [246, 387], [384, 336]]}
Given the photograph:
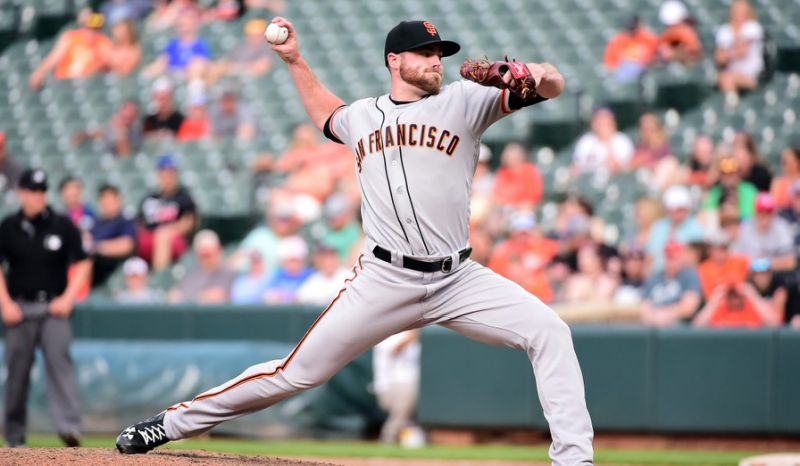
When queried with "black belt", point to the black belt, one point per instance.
{"points": [[445, 265], [40, 296]]}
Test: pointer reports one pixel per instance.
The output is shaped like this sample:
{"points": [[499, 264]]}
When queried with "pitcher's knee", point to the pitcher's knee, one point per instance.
{"points": [[306, 381]]}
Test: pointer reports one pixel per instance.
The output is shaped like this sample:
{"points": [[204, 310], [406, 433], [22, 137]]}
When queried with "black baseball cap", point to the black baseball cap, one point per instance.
{"points": [[410, 35], [33, 179]]}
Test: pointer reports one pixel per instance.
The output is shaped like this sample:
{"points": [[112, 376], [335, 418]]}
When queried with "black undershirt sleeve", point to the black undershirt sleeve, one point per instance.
{"points": [[515, 102], [326, 130]]}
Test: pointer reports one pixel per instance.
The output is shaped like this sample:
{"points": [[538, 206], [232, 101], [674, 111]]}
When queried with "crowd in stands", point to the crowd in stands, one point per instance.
{"points": [[738, 47], [715, 242]]}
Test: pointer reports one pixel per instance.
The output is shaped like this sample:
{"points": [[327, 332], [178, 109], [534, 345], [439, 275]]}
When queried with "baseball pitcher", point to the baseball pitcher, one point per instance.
{"points": [[415, 152]]}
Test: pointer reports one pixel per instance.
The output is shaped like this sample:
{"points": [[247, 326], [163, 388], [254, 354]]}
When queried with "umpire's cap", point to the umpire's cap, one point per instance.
{"points": [[33, 179], [410, 35]]}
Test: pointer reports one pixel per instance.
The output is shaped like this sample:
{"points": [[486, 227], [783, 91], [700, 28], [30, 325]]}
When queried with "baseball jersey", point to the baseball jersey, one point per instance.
{"points": [[415, 163]]}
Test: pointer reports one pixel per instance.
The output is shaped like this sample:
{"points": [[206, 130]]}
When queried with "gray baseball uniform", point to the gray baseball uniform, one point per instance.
{"points": [[415, 163]]}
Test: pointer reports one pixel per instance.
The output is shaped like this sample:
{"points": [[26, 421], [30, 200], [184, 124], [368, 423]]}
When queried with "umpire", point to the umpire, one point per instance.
{"points": [[38, 246]]}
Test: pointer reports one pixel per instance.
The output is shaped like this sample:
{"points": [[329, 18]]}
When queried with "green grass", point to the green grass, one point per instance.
{"points": [[338, 449]]}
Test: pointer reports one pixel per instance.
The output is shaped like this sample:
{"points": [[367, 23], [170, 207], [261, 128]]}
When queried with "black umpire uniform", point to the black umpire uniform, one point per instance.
{"points": [[38, 245]]}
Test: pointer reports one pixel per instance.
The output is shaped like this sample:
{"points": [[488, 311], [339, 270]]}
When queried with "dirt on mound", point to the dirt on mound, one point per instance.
{"points": [[109, 457]]}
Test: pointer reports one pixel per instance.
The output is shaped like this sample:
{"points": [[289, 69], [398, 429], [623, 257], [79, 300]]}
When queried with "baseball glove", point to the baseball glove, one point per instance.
{"points": [[487, 73]]}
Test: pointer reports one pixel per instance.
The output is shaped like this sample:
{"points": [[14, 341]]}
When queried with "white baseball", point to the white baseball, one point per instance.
{"points": [[276, 34]]}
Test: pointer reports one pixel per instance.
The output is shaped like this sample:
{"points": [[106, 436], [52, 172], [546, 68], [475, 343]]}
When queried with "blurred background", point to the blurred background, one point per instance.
{"points": [[655, 204]]}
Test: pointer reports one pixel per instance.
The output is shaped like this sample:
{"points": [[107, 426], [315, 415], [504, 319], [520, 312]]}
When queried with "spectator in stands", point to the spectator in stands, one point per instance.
{"points": [[653, 144], [792, 215], [736, 304], [732, 194], [78, 53], [249, 287], [280, 221], [123, 134], [771, 286], [482, 185], [629, 52], [252, 58], [10, 171], [673, 294], [166, 217], [186, 55], [702, 171], [767, 235], [604, 148], [633, 275], [592, 284], [753, 170], [523, 257], [721, 264], [653, 152], [125, 52], [790, 174], [231, 118], [518, 183], [210, 282], [327, 280], [679, 225], [81, 213], [291, 274], [342, 231], [113, 237], [167, 13], [679, 42], [226, 10], [646, 212], [137, 290], [272, 7], [126, 10], [740, 47], [166, 120], [311, 166], [197, 124]]}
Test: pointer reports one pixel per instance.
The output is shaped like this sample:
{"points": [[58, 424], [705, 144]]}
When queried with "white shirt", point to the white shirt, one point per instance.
{"points": [[752, 63], [392, 369], [319, 289], [591, 154]]}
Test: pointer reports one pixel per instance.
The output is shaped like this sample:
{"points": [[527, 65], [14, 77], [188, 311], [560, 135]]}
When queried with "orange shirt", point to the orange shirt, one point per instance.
{"points": [[684, 36], [84, 56], [519, 185], [193, 129], [524, 262], [734, 269], [746, 316], [639, 48]]}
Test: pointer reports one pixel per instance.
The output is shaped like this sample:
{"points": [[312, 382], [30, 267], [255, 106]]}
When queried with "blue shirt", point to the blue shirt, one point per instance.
{"points": [[685, 233], [283, 285], [664, 291], [112, 228], [180, 54], [249, 290]]}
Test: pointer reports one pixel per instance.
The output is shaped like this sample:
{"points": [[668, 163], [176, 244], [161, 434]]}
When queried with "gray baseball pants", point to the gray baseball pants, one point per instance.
{"points": [[54, 335], [381, 300]]}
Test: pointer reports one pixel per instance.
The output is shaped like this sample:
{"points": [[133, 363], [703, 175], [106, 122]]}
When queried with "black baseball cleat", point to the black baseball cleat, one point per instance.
{"points": [[143, 436], [70, 439]]}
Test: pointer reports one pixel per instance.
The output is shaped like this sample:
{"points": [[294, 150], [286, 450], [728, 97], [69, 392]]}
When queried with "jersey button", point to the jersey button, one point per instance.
{"points": [[394, 163], [400, 190], [408, 220]]}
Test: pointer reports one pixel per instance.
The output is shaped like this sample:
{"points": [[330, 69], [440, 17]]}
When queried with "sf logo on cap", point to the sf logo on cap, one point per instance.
{"points": [[430, 28]]}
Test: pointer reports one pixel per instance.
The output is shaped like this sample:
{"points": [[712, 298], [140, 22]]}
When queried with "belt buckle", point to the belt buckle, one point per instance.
{"points": [[447, 265]]}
